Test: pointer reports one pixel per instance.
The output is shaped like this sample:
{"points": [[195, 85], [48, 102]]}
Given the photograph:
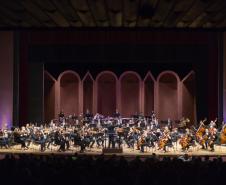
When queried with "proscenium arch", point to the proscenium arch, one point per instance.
{"points": [[168, 95], [49, 96], [69, 92], [88, 92], [68, 72], [149, 93], [130, 93], [168, 72], [188, 91], [106, 93]]}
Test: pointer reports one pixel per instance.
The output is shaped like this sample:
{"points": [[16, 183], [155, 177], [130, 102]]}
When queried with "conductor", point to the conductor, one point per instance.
{"points": [[111, 135]]}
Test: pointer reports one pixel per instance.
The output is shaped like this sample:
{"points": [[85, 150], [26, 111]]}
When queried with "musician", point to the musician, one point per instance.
{"points": [[150, 139], [212, 137], [155, 124], [120, 135], [186, 140], [158, 133], [116, 114], [19, 138], [169, 124], [174, 135], [40, 138], [111, 135], [136, 115], [63, 140], [153, 116], [52, 124], [206, 138], [100, 138], [141, 116], [165, 139], [78, 139], [4, 140], [27, 132], [142, 123], [92, 137], [142, 142], [74, 118], [88, 116], [61, 116], [213, 123], [136, 134], [130, 139], [87, 139]]}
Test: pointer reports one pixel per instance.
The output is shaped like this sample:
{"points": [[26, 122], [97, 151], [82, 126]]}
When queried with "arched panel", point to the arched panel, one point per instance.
{"points": [[168, 96], [148, 95], [106, 93], [69, 93], [130, 93], [188, 97], [49, 97], [88, 93]]}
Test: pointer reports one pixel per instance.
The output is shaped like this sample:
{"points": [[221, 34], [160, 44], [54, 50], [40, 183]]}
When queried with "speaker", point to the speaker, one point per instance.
{"points": [[112, 150]]}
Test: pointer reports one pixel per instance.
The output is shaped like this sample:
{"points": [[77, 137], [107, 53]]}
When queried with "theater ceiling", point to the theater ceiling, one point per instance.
{"points": [[113, 13]]}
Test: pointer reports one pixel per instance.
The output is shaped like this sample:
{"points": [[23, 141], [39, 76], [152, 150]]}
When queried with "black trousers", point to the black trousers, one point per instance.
{"points": [[111, 141]]}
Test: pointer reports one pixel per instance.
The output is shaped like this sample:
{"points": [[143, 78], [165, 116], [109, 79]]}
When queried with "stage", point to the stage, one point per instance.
{"points": [[127, 152]]}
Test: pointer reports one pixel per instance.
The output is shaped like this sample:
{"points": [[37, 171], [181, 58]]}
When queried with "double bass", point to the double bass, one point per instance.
{"points": [[223, 135], [201, 132]]}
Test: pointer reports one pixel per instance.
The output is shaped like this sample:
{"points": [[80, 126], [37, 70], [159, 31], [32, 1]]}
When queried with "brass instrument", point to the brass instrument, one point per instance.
{"points": [[183, 123]]}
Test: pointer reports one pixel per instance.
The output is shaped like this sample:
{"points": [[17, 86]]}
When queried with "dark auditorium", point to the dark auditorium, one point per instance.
{"points": [[110, 92]]}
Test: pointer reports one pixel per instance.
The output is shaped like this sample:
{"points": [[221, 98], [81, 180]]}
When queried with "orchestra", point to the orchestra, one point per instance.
{"points": [[137, 132]]}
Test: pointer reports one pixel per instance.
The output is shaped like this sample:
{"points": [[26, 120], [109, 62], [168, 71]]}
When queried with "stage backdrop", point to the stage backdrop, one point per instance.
{"points": [[168, 95], [119, 51]]}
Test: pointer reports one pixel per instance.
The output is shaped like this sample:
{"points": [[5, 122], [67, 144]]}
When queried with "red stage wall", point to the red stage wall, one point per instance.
{"points": [[106, 96], [69, 94], [168, 97], [130, 94], [148, 95], [6, 78], [88, 93]]}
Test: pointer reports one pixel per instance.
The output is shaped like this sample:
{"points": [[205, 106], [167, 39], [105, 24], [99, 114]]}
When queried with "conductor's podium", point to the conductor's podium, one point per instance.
{"points": [[112, 150]]}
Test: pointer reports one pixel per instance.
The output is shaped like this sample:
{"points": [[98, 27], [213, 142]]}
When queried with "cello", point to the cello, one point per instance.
{"points": [[163, 140], [184, 141]]}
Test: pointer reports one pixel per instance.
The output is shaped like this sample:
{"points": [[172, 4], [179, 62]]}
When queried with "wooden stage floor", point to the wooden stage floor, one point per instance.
{"points": [[127, 152]]}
